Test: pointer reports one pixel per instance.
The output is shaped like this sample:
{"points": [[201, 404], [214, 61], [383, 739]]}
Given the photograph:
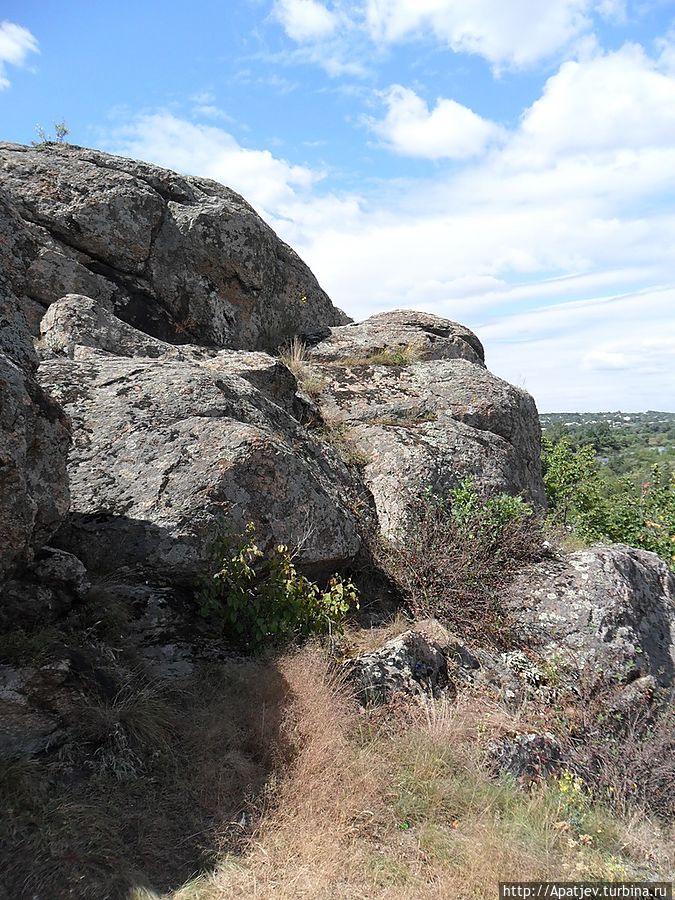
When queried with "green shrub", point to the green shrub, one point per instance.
{"points": [[456, 554], [256, 598], [587, 500]]}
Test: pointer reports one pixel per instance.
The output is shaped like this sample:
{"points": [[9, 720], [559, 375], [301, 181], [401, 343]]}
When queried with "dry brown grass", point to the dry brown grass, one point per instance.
{"points": [[266, 777], [356, 639], [296, 359], [295, 356], [397, 804], [403, 356], [340, 435], [150, 787]]}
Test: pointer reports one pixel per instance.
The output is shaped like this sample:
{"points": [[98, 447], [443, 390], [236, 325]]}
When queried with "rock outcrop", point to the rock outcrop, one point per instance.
{"points": [[422, 410], [172, 447], [161, 292], [609, 611], [182, 259], [412, 663], [34, 432]]}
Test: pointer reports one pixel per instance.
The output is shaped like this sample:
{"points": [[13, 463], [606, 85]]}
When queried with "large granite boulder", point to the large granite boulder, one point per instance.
{"points": [[182, 259], [608, 611], [34, 434], [76, 321], [173, 446], [413, 395]]}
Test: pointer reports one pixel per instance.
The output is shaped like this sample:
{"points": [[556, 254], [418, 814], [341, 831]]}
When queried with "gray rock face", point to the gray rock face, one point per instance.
{"points": [[76, 321], [34, 438], [412, 663], [30, 701], [171, 450], [420, 335], [610, 610], [43, 591], [527, 757], [430, 422], [180, 258], [16, 246], [34, 433]]}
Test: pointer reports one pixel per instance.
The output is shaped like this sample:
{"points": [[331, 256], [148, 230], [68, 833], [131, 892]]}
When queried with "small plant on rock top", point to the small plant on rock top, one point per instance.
{"points": [[61, 132], [257, 599]]}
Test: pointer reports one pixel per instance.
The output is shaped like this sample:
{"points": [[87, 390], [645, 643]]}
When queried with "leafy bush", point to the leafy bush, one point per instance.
{"points": [[457, 553], [585, 499], [256, 598]]}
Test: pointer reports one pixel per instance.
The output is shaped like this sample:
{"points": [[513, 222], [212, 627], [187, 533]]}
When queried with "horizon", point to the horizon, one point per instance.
{"points": [[522, 177]]}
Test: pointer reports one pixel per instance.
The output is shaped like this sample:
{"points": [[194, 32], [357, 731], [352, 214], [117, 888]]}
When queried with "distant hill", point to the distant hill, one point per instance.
{"points": [[650, 420]]}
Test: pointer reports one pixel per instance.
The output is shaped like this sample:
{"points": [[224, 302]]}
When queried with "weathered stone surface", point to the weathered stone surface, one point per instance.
{"points": [[429, 423], [34, 438], [420, 335], [76, 321], [609, 610], [412, 663], [15, 246], [30, 700], [180, 258], [42, 591], [169, 452], [527, 757], [34, 433]]}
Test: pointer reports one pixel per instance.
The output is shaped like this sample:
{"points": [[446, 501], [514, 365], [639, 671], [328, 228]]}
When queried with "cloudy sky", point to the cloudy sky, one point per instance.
{"points": [[509, 165]]}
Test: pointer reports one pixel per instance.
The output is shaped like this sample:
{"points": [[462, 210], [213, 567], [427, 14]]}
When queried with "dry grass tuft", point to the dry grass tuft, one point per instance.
{"points": [[357, 640], [296, 359], [403, 356], [295, 356], [341, 437]]}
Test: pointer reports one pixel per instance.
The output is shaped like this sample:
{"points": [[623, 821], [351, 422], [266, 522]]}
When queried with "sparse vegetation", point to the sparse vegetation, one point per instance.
{"points": [[626, 755], [402, 357], [398, 803], [341, 438], [256, 598], [296, 359], [59, 135], [458, 552], [150, 787]]}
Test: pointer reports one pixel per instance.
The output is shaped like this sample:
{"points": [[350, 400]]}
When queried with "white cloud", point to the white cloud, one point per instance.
{"points": [[666, 48], [613, 10], [305, 20], [606, 354], [265, 181], [534, 244], [16, 43], [448, 131], [614, 102], [516, 33]]}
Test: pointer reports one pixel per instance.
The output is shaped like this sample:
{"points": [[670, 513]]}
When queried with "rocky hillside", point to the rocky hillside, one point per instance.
{"points": [[171, 371], [160, 293]]}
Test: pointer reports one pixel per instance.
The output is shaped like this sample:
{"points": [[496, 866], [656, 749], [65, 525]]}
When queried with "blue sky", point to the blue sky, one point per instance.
{"points": [[507, 165]]}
